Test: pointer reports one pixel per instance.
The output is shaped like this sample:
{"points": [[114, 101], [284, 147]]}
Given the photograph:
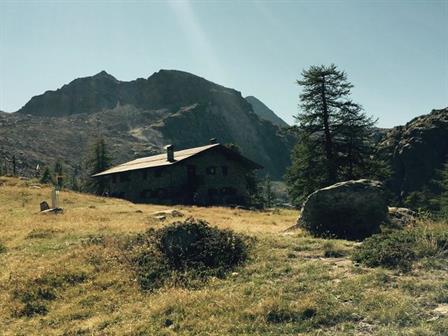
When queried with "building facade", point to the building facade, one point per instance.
{"points": [[207, 175]]}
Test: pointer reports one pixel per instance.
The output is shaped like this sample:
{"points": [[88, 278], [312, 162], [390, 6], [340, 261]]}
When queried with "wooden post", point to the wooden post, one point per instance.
{"points": [[55, 199]]}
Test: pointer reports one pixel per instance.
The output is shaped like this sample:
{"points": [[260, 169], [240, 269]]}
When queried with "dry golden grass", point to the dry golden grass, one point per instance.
{"points": [[288, 287]]}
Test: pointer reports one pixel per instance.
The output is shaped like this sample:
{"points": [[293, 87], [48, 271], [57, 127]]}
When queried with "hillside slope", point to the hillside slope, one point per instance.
{"points": [[138, 118], [265, 112], [71, 275]]}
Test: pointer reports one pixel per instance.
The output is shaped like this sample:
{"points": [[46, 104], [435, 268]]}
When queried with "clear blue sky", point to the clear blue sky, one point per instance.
{"points": [[395, 52]]}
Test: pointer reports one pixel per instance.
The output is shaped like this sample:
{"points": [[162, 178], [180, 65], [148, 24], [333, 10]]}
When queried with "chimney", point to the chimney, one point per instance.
{"points": [[213, 141], [169, 153]]}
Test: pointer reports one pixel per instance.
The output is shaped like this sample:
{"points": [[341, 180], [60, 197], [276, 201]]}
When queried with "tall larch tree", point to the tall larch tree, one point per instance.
{"points": [[334, 134]]}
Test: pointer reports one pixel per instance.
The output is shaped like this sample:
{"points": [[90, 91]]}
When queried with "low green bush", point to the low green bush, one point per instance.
{"points": [[184, 251], [394, 250], [400, 249], [2, 248]]}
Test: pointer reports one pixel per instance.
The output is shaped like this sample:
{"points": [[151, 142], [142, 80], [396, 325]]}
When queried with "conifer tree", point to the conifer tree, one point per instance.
{"points": [[58, 174], [46, 176], [334, 134], [14, 166], [268, 192], [98, 161]]}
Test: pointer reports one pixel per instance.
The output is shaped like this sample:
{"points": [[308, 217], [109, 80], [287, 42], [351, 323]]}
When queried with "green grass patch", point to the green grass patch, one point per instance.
{"points": [[32, 297], [2, 248]]}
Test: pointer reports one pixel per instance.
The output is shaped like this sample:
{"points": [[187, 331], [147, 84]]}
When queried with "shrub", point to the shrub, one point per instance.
{"points": [[2, 248], [183, 250], [394, 250], [399, 249]]}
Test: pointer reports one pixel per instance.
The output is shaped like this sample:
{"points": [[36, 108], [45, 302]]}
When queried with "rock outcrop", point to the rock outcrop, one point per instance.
{"points": [[415, 151], [350, 210], [264, 112]]}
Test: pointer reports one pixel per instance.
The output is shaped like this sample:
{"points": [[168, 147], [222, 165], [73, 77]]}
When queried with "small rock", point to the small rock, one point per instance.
{"points": [[55, 211], [402, 217], [434, 318], [44, 206], [168, 212], [160, 218], [442, 309], [168, 323]]}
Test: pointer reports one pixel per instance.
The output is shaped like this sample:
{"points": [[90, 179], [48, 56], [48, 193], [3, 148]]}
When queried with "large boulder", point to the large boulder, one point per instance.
{"points": [[350, 210]]}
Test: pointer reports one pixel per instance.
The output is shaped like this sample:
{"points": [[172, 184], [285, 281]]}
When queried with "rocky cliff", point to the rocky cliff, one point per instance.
{"points": [[265, 112], [138, 118], [415, 151]]}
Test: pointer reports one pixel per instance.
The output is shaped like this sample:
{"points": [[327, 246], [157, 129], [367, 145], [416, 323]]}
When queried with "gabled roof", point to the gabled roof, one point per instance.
{"points": [[160, 160]]}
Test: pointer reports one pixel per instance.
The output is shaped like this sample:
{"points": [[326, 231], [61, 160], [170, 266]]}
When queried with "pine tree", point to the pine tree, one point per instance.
{"points": [[46, 176], [305, 173], [334, 135], [268, 192], [74, 184], [98, 161], [14, 166], [58, 174]]}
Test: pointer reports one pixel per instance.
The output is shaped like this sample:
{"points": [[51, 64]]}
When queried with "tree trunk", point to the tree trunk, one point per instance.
{"points": [[328, 140]]}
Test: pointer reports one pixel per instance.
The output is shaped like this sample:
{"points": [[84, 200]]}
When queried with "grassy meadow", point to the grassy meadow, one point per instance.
{"points": [[68, 275]]}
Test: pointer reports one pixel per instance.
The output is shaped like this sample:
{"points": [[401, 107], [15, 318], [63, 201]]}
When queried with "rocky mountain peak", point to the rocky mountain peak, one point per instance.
{"points": [[104, 75]]}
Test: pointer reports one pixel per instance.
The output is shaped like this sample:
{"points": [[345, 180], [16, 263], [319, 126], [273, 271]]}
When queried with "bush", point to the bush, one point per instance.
{"points": [[399, 249], [2, 248], [184, 251], [394, 250]]}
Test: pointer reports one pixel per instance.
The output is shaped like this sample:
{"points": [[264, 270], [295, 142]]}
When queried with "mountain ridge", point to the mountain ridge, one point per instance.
{"points": [[265, 112], [138, 118]]}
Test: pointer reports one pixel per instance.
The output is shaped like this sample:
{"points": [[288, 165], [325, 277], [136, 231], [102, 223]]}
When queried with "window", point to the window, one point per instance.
{"points": [[225, 170], [211, 170]]}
